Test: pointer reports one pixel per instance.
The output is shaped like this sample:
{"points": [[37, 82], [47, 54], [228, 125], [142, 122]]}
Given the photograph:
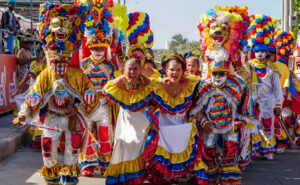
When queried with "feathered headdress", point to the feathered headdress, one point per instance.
{"points": [[243, 12], [284, 43], [121, 20], [260, 32], [70, 18], [138, 31], [231, 45]]}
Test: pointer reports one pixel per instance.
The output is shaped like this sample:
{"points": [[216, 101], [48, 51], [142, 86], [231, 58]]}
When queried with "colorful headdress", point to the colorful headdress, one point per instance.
{"points": [[284, 43], [260, 32], [221, 66], [230, 46], [61, 27], [99, 20], [243, 12], [94, 41], [121, 20], [138, 30]]}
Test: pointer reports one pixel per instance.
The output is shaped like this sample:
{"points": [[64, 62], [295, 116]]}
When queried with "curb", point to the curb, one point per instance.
{"points": [[10, 144]]}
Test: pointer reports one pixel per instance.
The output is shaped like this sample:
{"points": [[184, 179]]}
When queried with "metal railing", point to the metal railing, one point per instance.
{"points": [[31, 38]]}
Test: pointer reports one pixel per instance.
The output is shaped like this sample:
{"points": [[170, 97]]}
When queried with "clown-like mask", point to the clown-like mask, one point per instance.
{"points": [[61, 28], [219, 78], [59, 66], [97, 12], [98, 52], [219, 33], [260, 55]]}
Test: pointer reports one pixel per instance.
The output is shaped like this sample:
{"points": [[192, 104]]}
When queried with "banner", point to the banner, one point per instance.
{"points": [[7, 82]]}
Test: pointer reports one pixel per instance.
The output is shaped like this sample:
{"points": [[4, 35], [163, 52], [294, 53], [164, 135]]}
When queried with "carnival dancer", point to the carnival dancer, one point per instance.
{"points": [[179, 147], [221, 30], [265, 77], [224, 104], [61, 95], [140, 40], [283, 44], [296, 104], [133, 92], [99, 69]]}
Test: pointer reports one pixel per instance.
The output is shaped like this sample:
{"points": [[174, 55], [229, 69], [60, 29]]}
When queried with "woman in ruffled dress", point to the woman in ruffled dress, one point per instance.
{"points": [[179, 145], [132, 92]]}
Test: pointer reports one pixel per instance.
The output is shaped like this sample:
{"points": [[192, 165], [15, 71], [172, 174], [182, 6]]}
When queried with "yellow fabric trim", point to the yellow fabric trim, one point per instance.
{"points": [[180, 98], [50, 173], [256, 138], [200, 165], [285, 74], [297, 85], [230, 169], [83, 157], [118, 73], [126, 97], [213, 170], [156, 74], [124, 167], [101, 45], [179, 157], [264, 144], [73, 170]]}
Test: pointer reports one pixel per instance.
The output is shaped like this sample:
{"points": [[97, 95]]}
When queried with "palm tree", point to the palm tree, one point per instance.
{"points": [[177, 40]]}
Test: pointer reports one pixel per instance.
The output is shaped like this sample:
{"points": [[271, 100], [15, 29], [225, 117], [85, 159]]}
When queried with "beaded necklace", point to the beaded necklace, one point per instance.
{"points": [[134, 88]]}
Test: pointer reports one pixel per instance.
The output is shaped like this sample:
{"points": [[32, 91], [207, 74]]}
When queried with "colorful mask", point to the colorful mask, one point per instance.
{"points": [[61, 28], [59, 65]]}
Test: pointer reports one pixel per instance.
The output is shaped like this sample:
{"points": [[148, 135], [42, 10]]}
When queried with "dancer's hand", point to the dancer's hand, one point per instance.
{"points": [[208, 128], [154, 127], [199, 116], [18, 120], [69, 112], [277, 111]]}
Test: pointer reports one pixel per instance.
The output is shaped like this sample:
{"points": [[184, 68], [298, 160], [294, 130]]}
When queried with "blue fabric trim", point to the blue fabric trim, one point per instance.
{"points": [[102, 164], [86, 163], [133, 106], [177, 167], [200, 174], [122, 178], [68, 179], [230, 175], [177, 108]]}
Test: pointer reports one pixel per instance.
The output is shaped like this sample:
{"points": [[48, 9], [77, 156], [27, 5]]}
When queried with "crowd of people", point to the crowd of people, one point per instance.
{"points": [[109, 110]]}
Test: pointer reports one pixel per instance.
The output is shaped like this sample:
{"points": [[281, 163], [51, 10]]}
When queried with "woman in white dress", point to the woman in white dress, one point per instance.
{"points": [[132, 92], [179, 145]]}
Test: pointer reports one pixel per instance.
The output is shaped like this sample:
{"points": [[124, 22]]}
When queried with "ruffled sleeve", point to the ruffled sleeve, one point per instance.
{"points": [[174, 105], [129, 101]]}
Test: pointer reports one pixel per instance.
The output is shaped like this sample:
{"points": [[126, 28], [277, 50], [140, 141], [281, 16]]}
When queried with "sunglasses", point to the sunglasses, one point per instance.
{"points": [[220, 73]]}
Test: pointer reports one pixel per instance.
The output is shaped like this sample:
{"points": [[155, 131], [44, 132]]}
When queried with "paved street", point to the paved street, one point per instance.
{"points": [[22, 168]]}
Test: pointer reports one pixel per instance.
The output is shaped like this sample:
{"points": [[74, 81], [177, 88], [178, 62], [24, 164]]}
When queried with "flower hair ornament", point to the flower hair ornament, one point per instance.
{"points": [[167, 58]]}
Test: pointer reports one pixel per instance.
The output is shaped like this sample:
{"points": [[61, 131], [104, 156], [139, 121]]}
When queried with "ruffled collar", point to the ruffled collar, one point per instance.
{"points": [[173, 105], [133, 102]]}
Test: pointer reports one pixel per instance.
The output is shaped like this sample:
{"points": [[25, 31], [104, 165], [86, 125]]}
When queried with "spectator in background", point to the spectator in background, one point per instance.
{"points": [[24, 56], [9, 23]]}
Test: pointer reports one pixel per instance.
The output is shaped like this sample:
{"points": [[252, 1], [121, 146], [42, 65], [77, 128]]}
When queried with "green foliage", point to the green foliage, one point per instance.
{"points": [[297, 11], [179, 45]]}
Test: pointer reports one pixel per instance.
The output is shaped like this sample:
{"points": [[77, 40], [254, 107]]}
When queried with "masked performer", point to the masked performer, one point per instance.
{"points": [[99, 69], [62, 95], [265, 78], [224, 104]]}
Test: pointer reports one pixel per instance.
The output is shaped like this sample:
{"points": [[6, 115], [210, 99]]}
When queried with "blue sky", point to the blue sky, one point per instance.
{"points": [[169, 17]]}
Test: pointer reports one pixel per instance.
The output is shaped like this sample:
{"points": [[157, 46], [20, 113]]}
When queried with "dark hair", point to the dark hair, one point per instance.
{"points": [[183, 66], [150, 61], [134, 59], [194, 58], [138, 49]]}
